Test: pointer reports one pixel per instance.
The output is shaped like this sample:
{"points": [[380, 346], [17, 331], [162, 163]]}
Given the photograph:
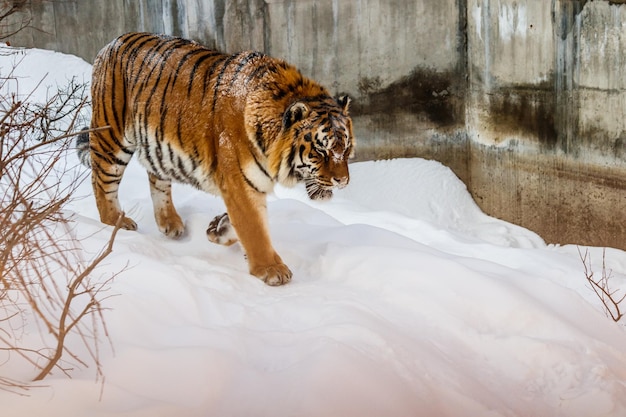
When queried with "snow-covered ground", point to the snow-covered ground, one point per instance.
{"points": [[406, 300]]}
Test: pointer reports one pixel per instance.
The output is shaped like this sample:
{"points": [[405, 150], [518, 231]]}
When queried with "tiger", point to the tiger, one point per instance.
{"points": [[233, 125]]}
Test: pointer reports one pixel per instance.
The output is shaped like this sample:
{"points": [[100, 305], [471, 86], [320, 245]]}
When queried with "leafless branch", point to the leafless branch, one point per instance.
{"points": [[45, 279], [611, 299]]}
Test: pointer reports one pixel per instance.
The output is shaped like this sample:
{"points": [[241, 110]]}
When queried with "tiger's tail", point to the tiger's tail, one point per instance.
{"points": [[82, 147]]}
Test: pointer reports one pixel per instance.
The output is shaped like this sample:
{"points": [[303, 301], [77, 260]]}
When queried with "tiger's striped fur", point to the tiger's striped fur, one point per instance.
{"points": [[233, 125]]}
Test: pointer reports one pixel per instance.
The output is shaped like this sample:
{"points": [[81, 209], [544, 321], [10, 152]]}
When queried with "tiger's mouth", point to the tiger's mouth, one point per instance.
{"points": [[318, 191]]}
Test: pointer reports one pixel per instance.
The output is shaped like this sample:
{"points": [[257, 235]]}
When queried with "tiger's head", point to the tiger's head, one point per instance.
{"points": [[323, 142]]}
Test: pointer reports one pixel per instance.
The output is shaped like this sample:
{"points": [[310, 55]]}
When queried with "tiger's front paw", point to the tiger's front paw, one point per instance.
{"points": [[221, 231], [274, 275]]}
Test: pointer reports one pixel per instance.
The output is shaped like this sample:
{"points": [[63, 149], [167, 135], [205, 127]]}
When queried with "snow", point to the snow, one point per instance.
{"points": [[406, 300]]}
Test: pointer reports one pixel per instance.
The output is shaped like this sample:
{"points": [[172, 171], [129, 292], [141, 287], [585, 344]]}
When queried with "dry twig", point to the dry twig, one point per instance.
{"points": [[46, 285], [610, 298]]}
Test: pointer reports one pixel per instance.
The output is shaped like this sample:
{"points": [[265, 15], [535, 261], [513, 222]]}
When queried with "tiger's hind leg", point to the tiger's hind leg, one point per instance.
{"points": [[108, 167], [221, 231], [168, 220]]}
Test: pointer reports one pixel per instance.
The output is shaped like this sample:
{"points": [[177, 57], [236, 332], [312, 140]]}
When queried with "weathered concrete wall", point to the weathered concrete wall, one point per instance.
{"points": [[546, 116], [407, 93], [522, 99], [403, 61]]}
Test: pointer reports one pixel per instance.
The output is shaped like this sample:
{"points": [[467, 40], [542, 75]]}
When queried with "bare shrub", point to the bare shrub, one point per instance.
{"points": [[48, 295], [611, 298]]}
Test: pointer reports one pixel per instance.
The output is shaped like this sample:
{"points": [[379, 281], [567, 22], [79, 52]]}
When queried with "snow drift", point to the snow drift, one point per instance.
{"points": [[406, 300]]}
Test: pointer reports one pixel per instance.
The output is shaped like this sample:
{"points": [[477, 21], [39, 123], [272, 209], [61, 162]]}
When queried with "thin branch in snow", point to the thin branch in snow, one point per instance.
{"points": [[611, 299]]}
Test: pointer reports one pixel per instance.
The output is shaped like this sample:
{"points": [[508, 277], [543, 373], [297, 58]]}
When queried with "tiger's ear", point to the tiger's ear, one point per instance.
{"points": [[344, 102], [294, 113]]}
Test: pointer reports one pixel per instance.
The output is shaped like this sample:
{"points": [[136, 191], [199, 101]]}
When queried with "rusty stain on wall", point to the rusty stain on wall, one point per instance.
{"points": [[431, 96]]}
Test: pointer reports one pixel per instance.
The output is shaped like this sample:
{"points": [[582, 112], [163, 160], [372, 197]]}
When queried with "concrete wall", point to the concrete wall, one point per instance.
{"points": [[546, 116], [522, 99]]}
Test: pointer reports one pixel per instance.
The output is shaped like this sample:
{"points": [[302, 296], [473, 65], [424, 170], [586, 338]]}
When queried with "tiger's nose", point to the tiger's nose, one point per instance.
{"points": [[340, 182]]}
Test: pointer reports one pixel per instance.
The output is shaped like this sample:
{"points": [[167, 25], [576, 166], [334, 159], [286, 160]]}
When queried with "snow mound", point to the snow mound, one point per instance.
{"points": [[406, 300]]}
